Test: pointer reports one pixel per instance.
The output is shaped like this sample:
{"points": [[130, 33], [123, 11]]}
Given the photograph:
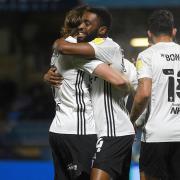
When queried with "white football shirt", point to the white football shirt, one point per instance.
{"points": [[110, 114], [161, 63], [74, 113]]}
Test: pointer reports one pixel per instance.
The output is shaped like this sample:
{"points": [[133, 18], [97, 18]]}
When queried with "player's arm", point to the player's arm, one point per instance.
{"points": [[141, 98], [113, 76], [139, 123], [79, 49], [52, 77]]}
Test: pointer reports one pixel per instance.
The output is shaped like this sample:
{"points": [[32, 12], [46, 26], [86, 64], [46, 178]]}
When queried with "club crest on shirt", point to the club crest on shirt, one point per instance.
{"points": [[98, 41], [99, 144], [139, 64]]}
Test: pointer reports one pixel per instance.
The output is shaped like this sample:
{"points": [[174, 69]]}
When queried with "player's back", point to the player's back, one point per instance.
{"points": [[163, 123]]}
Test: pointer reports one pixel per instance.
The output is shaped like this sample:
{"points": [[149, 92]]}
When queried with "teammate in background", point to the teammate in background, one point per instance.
{"points": [[72, 131], [114, 129], [158, 70]]}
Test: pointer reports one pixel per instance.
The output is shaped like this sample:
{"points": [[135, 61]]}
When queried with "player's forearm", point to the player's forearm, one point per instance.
{"points": [[129, 85], [113, 76], [120, 81], [77, 49], [141, 120], [123, 84], [141, 98], [139, 105]]}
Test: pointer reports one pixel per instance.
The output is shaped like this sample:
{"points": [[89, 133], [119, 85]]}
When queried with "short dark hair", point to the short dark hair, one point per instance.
{"points": [[103, 14], [161, 22]]}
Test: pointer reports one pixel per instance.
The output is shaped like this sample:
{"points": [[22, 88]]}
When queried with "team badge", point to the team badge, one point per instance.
{"points": [[99, 144], [98, 41], [139, 64]]}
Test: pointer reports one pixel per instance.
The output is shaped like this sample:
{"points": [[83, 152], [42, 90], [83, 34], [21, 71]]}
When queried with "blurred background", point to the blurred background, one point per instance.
{"points": [[28, 29]]}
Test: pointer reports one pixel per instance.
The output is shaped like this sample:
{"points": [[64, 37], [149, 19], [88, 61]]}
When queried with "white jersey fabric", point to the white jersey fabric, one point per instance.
{"points": [[130, 72], [74, 113], [161, 63], [111, 116]]}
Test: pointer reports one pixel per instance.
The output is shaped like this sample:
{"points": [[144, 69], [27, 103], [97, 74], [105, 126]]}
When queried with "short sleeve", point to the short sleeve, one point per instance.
{"points": [[130, 72], [91, 66], [144, 66], [104, 49]]}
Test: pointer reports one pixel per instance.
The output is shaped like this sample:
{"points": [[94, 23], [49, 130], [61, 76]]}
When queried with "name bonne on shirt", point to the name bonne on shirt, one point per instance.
{"points": [[171, 57]]}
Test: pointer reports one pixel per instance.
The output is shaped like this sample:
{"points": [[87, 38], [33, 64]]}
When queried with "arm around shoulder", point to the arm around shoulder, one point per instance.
{"points": [[79, 49], [113, 76]]}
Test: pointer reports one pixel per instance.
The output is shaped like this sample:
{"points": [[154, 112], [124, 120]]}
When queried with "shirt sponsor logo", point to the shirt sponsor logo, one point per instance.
{"points": [[99, 144], [175, 109], [171, 57]]}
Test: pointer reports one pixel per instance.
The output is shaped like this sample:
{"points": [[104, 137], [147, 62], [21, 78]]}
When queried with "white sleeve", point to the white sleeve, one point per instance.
{"points": [[144, 66], [104, 51], [134, 80], [91, 66], [131, 73], [109, 52], [85, 64]]}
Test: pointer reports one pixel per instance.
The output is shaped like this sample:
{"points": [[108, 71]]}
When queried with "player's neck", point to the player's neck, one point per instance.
{"points": [[163, 38]]}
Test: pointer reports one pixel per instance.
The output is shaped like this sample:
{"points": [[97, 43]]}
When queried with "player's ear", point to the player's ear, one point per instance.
{"points": [[174, 31], [103, 30], [149, 34]]}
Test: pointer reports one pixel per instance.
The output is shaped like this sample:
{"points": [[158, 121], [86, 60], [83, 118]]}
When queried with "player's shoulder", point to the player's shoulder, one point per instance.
{"points": [[175, 44], [128, 63], [147, 52], [112, 42], [158, 47], [105, 42], [71, 39], [165, 45], [129, 66]]}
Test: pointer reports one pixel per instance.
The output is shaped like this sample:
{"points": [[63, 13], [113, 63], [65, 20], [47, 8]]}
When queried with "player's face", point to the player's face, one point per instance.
{"points": [[88, 29]]}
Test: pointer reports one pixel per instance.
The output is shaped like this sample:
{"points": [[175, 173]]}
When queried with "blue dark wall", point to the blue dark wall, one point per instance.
{"points": [[134, 3]]}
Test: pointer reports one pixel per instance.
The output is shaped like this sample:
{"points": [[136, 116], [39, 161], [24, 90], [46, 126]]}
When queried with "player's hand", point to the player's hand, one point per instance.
{"points": [[135, 127], [53, 78]]}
